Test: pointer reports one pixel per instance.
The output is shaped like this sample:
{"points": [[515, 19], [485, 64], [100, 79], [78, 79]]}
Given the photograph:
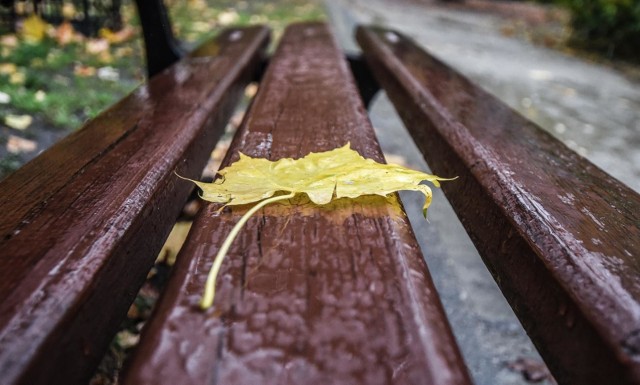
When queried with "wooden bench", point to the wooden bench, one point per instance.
{"points": [[337, 294]]}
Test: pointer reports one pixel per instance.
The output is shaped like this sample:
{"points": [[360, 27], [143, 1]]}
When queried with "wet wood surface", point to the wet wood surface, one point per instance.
{"points": [[337, 294], [561, 237], [82, 224]]}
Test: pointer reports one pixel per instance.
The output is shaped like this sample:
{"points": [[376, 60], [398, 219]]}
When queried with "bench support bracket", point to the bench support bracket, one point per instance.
{"points": [[162, 48], [367, 84]]}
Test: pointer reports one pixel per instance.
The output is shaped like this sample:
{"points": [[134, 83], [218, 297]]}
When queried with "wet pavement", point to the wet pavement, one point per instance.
{"points": [[592, 109]]}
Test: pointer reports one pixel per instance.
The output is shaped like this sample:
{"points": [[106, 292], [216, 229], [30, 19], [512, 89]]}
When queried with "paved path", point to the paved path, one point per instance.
{"points": [[592, 109]]}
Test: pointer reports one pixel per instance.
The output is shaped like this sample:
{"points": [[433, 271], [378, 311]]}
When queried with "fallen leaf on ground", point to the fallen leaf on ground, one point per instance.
{"points": [[118, 37], [123, 51], [18, 145], [40, 96], [5, 98], [9, 41], [109, 74], [7, 68], [65, 33], [127, 339], [324, 176], [68, 11], [18, 122], [34, 29], [18, 78], [83, 71], [96, 46], [228, 17]]}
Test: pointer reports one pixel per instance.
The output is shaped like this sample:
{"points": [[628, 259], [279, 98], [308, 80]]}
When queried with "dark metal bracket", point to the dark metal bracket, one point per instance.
{"points": [[367, 84], [161, 47]]}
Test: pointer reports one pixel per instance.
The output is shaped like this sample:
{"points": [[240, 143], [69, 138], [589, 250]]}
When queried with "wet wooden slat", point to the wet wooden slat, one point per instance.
{"points": [[82, 223], [308, 294], [561, 237]]}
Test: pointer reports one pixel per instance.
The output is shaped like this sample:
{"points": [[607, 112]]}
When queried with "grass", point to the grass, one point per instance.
{"points": [[212, 16], [50, 84]]}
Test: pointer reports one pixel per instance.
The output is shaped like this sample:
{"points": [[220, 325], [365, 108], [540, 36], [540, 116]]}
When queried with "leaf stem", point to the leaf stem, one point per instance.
{"points": [[210, 286]]}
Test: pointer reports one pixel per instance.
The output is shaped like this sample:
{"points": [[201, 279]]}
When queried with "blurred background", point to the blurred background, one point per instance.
{"points": [[571, 66]]}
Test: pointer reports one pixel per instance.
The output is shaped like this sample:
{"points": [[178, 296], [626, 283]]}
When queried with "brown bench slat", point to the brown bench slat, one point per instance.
{"points": [[561, 237], [82, 223], [307, 295]]}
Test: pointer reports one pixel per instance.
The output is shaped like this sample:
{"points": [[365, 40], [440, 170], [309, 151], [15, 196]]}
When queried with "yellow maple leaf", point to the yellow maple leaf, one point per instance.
{"points": [[339, 173], [342, 173]]}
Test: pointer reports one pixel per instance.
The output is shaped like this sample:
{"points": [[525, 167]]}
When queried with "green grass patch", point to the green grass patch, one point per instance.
{"points": [[198, 20], [62, 83]]}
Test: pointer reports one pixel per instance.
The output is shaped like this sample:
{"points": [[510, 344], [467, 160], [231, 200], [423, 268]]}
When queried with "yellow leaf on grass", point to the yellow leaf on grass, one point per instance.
{"points": [[10, 41], [339, 173], [65, 34], [121, 36], [83, 71], [17, 77], [18, 122], [96, 46], [228, 17], [8, 68], [34, 29], [68, 11], [18, 145]]}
